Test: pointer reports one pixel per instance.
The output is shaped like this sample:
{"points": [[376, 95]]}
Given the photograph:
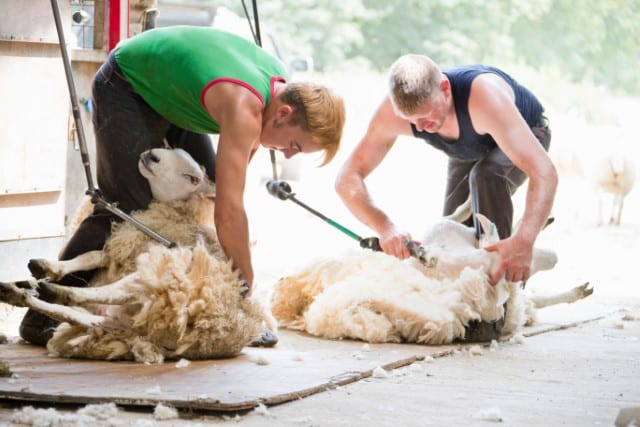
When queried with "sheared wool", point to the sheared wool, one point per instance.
{"points": [[375, 297], [185, 301]]}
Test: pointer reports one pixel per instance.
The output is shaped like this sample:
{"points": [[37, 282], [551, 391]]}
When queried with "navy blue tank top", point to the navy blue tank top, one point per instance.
{"points": [[470, 145]]}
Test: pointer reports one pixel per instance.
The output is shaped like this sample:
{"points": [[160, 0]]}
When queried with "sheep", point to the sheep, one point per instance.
{"points": [[375, 297], [615, 175], [148, 302], [605, 172]]}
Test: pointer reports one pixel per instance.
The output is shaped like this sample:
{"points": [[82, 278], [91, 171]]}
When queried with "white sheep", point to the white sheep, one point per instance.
{"points": [[375, 297], [613, 174], [150, 302], [603, 166]]}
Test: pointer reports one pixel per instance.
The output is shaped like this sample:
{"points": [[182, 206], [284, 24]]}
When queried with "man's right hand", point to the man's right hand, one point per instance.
{"points": [[394, 242]]}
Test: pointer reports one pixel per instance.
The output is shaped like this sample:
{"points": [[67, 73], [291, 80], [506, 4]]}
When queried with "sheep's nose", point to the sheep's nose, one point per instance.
{"points": [[148, 156]]}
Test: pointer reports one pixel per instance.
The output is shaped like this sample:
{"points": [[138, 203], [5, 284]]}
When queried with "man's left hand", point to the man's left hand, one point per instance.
{"points": [[515, 260]]}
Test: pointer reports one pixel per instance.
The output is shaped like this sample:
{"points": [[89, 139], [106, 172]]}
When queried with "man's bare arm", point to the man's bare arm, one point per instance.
{"points": [[493, 111], [381, 134], [239, 114]]}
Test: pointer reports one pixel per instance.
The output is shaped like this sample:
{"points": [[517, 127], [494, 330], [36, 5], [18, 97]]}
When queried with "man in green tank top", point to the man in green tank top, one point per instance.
{"points": [[178, 84]]}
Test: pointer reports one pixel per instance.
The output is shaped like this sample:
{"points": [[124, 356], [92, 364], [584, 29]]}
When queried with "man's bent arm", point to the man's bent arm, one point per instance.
{"points": [[381, 134], [239, 114]]}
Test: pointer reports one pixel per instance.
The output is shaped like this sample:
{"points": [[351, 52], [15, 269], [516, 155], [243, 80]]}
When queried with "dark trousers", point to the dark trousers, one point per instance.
{"points": [[125, 126], [491, 181]]}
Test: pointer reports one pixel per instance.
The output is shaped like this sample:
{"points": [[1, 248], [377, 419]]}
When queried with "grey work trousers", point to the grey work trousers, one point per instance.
{"points": [[491, 181]]}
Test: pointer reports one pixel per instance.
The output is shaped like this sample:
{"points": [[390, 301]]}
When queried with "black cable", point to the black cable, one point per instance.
{"points": [[258, 40]]}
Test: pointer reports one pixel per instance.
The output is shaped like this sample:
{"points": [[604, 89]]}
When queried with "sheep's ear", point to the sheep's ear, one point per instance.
{"points": [[462, 212], [489, 231]]}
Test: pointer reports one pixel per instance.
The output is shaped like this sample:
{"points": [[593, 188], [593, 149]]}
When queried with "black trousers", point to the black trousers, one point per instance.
{"points": [[491, 181], [125, 126]]}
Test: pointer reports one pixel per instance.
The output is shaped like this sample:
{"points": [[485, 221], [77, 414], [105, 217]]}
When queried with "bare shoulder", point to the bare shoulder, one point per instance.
{"points": [[231, 98], [491, 103], [488, 87], [386, 124]]}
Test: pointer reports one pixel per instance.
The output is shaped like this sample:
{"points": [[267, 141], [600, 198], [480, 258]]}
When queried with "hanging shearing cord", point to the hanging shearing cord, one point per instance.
{"points": [[258, 40], [92, 191]]}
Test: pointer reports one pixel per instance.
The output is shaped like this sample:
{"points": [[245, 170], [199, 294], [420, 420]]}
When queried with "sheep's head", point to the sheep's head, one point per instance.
{"points": [[173, 174]]}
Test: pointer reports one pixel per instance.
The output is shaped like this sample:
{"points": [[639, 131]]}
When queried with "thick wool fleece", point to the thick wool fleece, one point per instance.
{"points": [[182, 222], [186, 303], [377, 298]]}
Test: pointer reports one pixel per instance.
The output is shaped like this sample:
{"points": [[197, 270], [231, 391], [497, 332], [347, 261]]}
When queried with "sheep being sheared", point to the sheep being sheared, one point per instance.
{"points": [[149, 302], [375, 297]]}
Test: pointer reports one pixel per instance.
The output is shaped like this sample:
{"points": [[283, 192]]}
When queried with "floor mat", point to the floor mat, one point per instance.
{"points": [[297, 367]]}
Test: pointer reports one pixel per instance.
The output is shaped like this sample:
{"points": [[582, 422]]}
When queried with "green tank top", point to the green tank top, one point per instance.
{"points": [[171, 69]]}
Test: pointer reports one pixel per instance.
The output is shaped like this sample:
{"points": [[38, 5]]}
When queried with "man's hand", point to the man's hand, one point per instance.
{"points": [[515, 260], [394, 242]]}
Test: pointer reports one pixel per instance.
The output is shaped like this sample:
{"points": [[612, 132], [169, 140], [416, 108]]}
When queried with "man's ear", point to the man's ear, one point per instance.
{"points": [[445, 86], [284, 111]]}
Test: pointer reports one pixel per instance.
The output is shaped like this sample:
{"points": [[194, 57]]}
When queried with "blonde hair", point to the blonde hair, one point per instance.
{"points": [[413, 81], [319, 111]]}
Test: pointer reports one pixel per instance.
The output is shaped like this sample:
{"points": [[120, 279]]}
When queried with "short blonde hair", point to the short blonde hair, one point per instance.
{"points": [[413, 81], [319, 111]]}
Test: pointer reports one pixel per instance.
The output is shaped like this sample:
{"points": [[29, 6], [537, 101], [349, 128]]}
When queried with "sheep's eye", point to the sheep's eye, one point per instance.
{"points": [[195, 181]]}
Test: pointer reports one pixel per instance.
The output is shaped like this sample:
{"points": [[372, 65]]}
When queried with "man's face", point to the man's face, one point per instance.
{"points": [[289, 140], [430, 116]]}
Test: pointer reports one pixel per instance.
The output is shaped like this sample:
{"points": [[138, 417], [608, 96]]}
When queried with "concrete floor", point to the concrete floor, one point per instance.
{"points": [[580, 376]]}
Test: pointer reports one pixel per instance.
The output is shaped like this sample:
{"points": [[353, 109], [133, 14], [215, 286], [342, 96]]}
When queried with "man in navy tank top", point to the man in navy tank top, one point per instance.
{"points": [[495, 135]]}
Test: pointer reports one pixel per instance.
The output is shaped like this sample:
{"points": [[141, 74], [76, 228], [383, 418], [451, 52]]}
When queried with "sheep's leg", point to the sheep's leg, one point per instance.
{"points": [[23, 294], [618, 202], [542, 260], [64, 313], [115, 293], [54, 270], [573, 295], [15, 293]]}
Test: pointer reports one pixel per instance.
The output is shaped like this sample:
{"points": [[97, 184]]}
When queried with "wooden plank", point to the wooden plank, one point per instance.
{"points": [[36, 116], [32, 20], [24, 216], [297, 367]]}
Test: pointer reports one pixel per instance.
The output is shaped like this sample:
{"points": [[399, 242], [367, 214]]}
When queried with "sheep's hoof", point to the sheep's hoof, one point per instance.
{"points": [[584, 290], [244, 289], [267, 339], [37, 328], [46, 291], [38, 268], [15, 293]]}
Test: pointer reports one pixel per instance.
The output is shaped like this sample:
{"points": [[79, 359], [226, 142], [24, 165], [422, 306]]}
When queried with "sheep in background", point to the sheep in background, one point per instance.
{"points": [[150, 302], [613, 174], [374, 297], [607, 169]]}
